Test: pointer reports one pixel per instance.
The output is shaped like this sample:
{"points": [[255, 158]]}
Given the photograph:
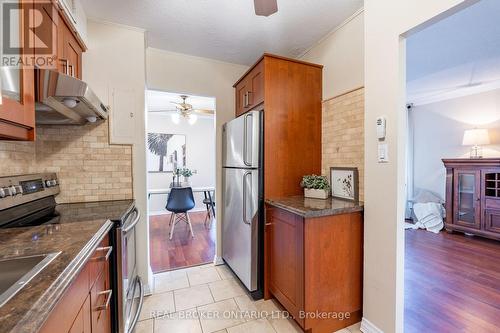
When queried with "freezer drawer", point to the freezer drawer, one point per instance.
{"points": [[241, 137], [240, 223]]}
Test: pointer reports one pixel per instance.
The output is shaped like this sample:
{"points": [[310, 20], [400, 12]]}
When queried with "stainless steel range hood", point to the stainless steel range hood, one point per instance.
{"points": [[64, 100]]}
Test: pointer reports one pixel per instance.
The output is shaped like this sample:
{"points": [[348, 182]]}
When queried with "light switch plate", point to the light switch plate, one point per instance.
{"points": [[383, 153]]}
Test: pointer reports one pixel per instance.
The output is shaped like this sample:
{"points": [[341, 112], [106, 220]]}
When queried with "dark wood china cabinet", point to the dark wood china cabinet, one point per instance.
{"points": [[473, 196]]}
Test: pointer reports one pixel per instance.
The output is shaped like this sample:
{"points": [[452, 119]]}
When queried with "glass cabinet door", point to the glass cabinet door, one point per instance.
{"points": [[467, 198], [11, 77], [17, 107]]}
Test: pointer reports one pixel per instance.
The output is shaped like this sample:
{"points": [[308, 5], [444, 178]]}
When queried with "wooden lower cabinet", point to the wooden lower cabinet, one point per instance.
{"points": [[82, 321], [85, 306], [314, 268], [100, 300]]}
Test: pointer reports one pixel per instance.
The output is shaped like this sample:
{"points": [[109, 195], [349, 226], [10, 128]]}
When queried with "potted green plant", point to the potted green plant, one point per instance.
{"points": [[315, 186], [186, 173]]}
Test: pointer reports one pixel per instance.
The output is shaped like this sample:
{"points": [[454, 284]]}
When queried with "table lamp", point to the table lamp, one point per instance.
{"points": [[476, 137]]}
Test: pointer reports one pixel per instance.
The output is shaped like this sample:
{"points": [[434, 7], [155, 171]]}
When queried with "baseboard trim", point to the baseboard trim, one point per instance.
{"points": [[368, 327], [218, 260], [147, 290]]}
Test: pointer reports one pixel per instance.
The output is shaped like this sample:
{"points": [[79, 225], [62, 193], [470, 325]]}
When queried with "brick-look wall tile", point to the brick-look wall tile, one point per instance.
{"points": [[343, 134], [89, 169]]}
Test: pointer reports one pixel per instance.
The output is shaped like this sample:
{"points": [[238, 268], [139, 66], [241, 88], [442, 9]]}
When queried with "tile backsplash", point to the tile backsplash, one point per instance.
{"points": [[88, 167], [344, 134]]}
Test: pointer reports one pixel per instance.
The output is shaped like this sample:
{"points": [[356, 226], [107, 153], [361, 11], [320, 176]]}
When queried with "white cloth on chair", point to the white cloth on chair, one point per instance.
{"points": [[428, 215]]}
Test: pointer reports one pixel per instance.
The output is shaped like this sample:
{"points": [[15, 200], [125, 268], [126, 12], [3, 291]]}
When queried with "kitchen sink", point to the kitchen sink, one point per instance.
{"points": [[18, 271]]}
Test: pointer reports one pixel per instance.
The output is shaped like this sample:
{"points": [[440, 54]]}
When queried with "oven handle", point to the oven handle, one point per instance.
{"points": [[139, 308], [131, 226]]}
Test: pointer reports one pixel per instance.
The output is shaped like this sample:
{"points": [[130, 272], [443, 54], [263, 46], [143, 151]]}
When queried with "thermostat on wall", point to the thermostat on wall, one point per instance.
{"points": [[381, 124]]}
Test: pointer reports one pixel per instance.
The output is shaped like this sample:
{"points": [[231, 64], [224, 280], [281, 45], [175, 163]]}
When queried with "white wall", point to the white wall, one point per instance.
{"points": [[181, 73], [385, 23], [342, 54], [438, 133], [116, 59], [200, 156]]}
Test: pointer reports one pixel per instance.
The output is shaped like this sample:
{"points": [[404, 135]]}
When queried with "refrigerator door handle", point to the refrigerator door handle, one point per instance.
{"points": [[245, 140], [245, 198]]}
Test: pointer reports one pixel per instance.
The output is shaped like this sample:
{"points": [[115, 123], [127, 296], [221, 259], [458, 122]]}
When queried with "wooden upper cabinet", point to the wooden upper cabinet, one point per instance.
{"points": [[17, 107], [241, 97], [66, 48], [51, 44], [250, 89], [70, 52]]}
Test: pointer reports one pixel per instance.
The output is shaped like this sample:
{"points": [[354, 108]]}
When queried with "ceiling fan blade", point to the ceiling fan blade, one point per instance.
{"points": [[163, 111], [204, 111], [180, 106], [265, 7]]}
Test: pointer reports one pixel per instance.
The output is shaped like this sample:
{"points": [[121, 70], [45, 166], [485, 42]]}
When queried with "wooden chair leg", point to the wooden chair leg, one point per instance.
{"points": [[189, 223], [171, 218], [173, 226]]}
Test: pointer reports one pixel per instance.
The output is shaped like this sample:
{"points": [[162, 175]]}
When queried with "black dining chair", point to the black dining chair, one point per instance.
{"points": [[180, 201], [209, 203]]}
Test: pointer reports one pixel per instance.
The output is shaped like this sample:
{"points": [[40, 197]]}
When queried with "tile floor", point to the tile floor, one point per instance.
{"points": [[208, 299]]}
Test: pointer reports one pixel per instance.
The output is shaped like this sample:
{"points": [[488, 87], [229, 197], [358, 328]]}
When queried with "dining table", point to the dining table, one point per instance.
{"points": [[206, 190]]}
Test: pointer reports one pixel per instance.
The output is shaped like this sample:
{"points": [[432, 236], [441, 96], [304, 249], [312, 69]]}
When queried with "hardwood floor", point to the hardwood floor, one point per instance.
{"points": [[452, 283], [182, 250]]}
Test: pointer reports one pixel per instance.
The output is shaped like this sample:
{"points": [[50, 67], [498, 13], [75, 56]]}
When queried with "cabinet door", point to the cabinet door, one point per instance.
{"points": [[100, 298], [70, 52], [47, 41], [242, 97], [286, 259], [17, 106], [82, 323], [74, 55], [256, 86], [467, 199]]}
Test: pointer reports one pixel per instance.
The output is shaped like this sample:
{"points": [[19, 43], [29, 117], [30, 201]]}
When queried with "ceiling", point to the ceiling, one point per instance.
{"points": [[227, 30], [457, 56], [162, 101]]}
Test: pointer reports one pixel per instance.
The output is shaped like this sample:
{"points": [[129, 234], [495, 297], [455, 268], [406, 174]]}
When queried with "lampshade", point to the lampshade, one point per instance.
{"points": [[476, 137]]}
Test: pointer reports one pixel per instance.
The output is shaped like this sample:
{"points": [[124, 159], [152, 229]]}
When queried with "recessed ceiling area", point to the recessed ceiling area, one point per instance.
{"points": [[227, 30], [457, 56]]}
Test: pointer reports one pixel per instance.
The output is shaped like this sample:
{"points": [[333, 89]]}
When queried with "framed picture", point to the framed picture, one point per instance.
{"points": [[345, 183], [166, 152]]}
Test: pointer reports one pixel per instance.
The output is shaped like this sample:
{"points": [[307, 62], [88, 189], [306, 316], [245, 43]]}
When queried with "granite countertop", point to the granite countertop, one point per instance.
{"points": [[309, 208], [30, 307]]}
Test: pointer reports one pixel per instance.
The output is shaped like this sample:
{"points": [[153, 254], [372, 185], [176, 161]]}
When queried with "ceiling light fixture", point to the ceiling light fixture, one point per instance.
{"points": [[192, 118], [176, 118]]}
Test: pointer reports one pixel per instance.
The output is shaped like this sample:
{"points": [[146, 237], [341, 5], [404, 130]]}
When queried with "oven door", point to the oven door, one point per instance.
{"points": [[130, 289]]}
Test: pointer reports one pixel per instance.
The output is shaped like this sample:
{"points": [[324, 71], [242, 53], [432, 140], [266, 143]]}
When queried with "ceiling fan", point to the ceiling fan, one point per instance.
{"points": [[185, 110], [265, 7]]}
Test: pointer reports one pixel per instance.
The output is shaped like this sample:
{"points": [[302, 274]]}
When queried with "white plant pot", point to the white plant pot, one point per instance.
{"points": [[316, 194]]}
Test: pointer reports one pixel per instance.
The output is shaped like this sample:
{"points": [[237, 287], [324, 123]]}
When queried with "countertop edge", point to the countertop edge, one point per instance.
{"points": [[315, 213], [61, 285]]}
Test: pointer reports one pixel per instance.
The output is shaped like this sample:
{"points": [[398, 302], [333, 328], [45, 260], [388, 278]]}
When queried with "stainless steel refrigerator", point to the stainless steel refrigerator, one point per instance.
{"points": [[242, 209]]}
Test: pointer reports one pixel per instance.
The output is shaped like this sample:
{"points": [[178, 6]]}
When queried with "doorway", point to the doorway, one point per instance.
{"points": [[453, 90], [181, 154]]}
